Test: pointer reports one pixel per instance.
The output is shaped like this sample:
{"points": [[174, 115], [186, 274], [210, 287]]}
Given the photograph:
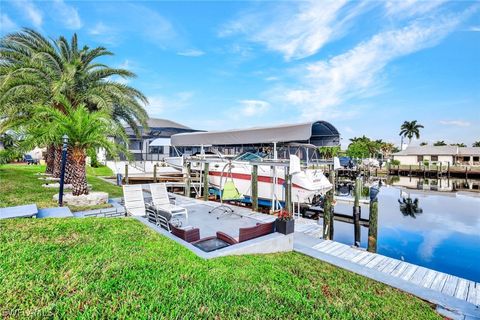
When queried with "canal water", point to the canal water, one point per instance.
{"points": [[444, 236]]}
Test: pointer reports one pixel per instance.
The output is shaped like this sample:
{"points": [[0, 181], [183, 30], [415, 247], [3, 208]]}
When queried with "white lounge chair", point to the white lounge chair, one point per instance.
{"points": [[133, 199], [161, 200]]}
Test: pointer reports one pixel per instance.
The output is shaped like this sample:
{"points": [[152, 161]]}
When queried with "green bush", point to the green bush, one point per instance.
{"points": [[395, 162], [92, 153], [9, 155], [426, 163]]}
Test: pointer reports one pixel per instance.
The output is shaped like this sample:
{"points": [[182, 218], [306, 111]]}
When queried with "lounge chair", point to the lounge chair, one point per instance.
{"points": [[133, 200], [161, 218], [161, 200], [189, 234]]}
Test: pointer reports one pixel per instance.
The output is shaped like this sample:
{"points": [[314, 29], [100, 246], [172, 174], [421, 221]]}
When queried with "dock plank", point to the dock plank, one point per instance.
{"points": [[333, 248], [360, 256], [390, 266], [399, 269], [349, 254], [321, 244], [367, 259], [477, 289], [408, 273], [439, 281], [428, 278], [450, 285], [329, 246], [472, 293], [340, 251], [418, 276], [462, 289], [378, 259]]}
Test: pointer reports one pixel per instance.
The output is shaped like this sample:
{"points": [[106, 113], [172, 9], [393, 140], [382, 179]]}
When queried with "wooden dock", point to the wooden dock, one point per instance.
{"points": [[453, 293]]}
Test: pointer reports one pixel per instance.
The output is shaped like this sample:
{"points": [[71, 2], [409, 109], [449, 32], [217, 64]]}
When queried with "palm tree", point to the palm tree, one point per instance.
{"points": [[85, 129], [458, 144], [329, 152], [476, 144], [439, 143], [410, 129], [423, 143], [34, 70]]}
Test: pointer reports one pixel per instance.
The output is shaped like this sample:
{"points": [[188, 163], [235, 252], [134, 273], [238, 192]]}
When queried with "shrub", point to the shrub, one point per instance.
{"points": [[395, 162], [92, 153]]}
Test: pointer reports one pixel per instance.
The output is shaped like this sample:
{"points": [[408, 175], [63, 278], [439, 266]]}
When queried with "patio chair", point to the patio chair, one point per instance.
{"points": [[229, 192], [162, 219], [133, 200], [161, 201]]}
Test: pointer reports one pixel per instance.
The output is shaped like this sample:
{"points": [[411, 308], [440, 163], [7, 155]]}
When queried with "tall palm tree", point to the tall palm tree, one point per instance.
{"points": [[476, 144], [85, 129], [410, 129], [34, 70], [439, 143]]}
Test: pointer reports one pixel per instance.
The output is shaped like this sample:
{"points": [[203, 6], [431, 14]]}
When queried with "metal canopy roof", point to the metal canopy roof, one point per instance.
{"points": [[280, 134]]}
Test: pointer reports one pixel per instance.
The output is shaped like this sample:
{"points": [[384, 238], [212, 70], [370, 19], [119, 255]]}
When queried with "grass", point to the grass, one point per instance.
{"points": [[19, 185], [118, 268], [102, 171]]}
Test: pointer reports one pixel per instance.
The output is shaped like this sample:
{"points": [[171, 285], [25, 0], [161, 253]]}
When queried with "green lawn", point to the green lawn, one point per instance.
{"points": [[117, 268], [19, 185]]}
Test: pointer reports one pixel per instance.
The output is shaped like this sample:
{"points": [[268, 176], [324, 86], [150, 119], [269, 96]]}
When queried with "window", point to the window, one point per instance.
{"points": [[434, 158], [419, 158], [466, 159], [156, 149], [135, 145], [476, 159]]}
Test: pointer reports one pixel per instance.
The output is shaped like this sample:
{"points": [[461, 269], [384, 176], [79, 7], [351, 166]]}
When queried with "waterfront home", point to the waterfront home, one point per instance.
{"points": [[439, 154]]}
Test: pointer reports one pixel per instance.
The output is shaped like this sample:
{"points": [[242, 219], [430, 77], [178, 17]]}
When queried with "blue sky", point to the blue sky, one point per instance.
{"points": [[364, 66]]}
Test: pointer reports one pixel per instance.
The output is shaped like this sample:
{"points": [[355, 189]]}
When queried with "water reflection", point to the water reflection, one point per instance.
{"points": [[438, 230]]}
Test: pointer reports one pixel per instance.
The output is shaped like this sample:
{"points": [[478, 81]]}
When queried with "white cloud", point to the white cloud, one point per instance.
{"points": [[159, 104], [67, 14], [191, 53], [6, 24], [409, 8], [99, 29], [296, 31], [474, 29], [252, 108], [357, 72], [457, 123], [29, 9]]}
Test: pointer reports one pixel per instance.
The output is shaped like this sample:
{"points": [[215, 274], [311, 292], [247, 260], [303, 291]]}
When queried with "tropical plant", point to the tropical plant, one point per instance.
{"points": [[476, 144], [85, 130], [329, 152], [423, 143], [458, 144], [386, 148], [410, 129], [34, 70], [439, 143], [363, 147]]}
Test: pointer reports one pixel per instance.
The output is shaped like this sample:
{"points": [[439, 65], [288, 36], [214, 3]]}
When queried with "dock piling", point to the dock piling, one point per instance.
{"points": [[255, 187], [205, 181], [155, 173], [328, 209], [288, 190], [126, 173], [188, 180], [357, 211], [372, 228]]}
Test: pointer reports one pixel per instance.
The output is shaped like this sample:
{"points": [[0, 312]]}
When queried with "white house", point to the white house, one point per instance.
{"points": [[440, 154]]}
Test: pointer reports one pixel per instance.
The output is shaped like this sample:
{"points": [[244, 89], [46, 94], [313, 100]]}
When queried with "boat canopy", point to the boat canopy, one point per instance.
{"points": [[319, 133]]}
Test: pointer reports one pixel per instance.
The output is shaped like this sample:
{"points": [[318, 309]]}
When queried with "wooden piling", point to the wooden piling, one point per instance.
{"points": [[328, 209], [410, 171], [188, 180], [255, 187], [448, 169], [288, 190], [155, 173], [126, 173], [357, 211], [205, 181], [372, 223]]}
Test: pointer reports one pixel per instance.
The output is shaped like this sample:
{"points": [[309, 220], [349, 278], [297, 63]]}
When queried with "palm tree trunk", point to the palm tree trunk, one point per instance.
{"points": [[69, 168], [57, 162], [79, 179], [50, 159]]}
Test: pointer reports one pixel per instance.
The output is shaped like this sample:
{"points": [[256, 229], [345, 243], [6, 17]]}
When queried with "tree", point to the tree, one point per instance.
{"points": [[458, 144], [329, 152], [476, 144], [410, 129], [386, 148], [363, 147], [85, 129], [34, 70], [423, 143], [439, 143]]}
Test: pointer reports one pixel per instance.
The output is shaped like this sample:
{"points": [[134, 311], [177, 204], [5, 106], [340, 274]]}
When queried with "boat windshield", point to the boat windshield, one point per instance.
{"points": [[248, 156]]}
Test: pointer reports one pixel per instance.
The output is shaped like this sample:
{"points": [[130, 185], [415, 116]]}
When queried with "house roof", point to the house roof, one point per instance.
{"points": [[164, 123], [471, 151], [428, 150]]}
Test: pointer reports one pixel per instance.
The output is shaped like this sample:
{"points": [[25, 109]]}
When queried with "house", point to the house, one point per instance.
{"points": [[153, 143], [441, 154]]}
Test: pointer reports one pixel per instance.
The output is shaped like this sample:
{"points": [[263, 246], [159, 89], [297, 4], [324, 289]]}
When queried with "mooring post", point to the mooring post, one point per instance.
{"points": [[188, 181], [288, 190], [255, 187], [466, 173], [126, 173], [448, 169], [205, 181], [410, 172], [357, 211], [372, 225], [440, 170], [155, 173], [328, 209]]}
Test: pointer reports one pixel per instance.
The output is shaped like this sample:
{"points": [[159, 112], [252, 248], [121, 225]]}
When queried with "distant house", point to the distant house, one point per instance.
{"points": [[441, 154], [153, 143]]}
